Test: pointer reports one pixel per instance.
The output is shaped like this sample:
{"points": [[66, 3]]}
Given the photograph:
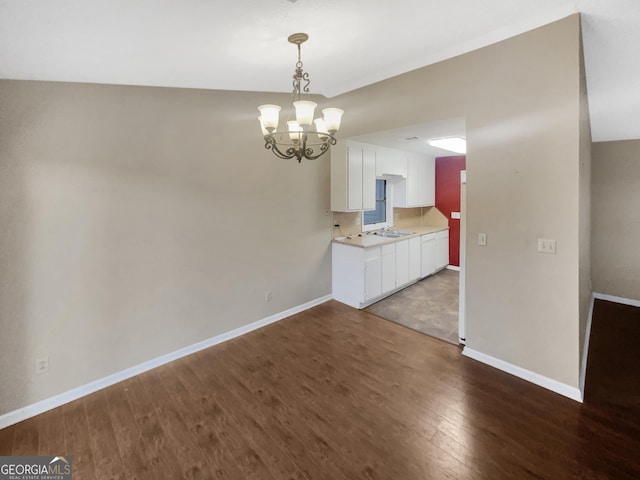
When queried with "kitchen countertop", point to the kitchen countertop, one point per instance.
{"points": [[373, 240]]}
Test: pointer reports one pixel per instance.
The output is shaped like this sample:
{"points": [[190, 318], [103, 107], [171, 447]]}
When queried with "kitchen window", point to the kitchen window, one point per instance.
{"points": [[382, 215]]}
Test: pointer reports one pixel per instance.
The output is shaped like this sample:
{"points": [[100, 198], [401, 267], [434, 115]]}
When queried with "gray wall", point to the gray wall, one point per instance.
{"points": [[616, 218], [136, 221], [521, 101]]}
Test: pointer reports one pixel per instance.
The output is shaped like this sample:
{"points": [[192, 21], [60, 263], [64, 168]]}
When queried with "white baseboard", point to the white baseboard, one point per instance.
{"points": [[613, 298], [453, 267], [545, 382], [50, 403]]}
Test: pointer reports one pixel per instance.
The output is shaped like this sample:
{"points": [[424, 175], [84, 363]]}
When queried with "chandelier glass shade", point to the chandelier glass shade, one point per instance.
{"points": [[304, 137]]}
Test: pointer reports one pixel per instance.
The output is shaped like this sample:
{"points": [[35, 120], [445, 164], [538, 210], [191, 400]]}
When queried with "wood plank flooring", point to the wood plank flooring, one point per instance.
{"points": [[332, 393], [614, 357]]}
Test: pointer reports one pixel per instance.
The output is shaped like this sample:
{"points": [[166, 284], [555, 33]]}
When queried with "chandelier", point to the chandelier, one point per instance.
{"points": [[304, 137]]}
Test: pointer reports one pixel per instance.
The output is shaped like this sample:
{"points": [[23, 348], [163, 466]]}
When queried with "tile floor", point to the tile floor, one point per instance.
{"points": [[429, 306]]}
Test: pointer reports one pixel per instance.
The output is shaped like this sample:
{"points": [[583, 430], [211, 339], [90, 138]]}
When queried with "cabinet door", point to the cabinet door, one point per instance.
{"points": [[428, 254], [414, 258], [372, 278], [388, 267], [442, 249], [426, 182], [412, 180], [402, 263], [390, 161], [368, 178], [354, 177]]}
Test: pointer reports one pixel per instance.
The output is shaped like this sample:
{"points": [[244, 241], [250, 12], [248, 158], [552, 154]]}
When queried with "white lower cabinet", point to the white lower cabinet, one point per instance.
{"points": [[388, 254], [415, 257], [402, 262], [442, 249], [428, 259], [364, 275], [361, 276], [372, 273]]}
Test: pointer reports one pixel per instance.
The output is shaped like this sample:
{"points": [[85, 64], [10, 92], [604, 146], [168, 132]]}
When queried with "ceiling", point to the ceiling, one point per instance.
{"points": [[414, 138], [228, 45]]}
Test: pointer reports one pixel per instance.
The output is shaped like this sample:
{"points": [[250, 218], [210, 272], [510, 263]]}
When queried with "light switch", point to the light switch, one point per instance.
{"points": [[546, 245], [482, 239]]}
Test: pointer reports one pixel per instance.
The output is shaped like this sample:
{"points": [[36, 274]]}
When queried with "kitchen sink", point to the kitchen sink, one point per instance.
{"points": [[393, 234]]}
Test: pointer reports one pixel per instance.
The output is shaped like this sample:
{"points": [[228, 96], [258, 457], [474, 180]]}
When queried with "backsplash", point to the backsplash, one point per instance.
{"points": [[351, 222]]}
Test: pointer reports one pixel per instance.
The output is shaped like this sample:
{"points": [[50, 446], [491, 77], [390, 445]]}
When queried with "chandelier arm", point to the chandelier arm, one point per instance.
{"points": [[299, 151], [309, 152], [271, 144]]}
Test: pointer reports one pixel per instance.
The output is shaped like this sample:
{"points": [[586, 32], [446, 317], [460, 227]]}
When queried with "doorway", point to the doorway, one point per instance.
{"points": [[435, 304]]}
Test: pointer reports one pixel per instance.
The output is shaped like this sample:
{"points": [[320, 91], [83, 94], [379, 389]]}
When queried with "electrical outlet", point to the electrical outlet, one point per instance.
{"points": [[42, 364], [546, 245], [482, 239], [267, 296]]}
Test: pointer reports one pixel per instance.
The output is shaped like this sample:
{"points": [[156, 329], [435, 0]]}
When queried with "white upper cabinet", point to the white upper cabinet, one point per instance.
{"points": [[418, 188], [353, 177], [368, 177], [355, 166], [390, 161], [426, 182]]}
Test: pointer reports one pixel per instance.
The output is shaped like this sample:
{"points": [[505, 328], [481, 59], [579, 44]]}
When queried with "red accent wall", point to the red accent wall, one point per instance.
{"points": [[448, 199]]}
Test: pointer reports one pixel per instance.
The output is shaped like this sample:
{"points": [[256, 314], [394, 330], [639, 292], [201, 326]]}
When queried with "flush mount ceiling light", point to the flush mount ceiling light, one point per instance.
{"points": [[453, 144], [304, 137]]}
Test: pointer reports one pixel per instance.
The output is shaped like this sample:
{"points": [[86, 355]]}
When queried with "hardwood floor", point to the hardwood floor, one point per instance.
{"points": [[614, 357], [332, 393]]}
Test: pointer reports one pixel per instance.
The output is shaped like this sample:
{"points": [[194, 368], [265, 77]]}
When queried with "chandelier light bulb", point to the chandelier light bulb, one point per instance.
{"points": [[304, 111], [264, 130], [269, 115], [321, 127], [294, 130], [332, 117]]}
